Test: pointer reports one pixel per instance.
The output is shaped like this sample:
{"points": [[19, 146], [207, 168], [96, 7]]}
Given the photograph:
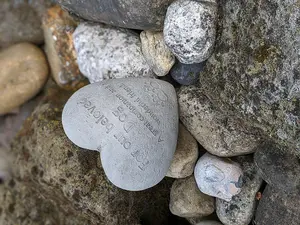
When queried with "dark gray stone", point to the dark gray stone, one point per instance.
{"points": [[135, 14], [133, 122], [279, 168], [277, 207], [254, 71], [186, 74]]}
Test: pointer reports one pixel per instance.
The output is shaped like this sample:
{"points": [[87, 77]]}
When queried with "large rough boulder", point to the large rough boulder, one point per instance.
{"points": [[255, 69], [55, 182]]}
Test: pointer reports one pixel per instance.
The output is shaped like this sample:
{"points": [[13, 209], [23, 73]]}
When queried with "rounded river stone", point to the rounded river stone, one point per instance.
{"points": [[132, 122]]}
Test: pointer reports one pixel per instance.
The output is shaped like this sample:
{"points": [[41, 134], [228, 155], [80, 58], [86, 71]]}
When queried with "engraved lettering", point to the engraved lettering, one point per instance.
{"points": [[128, 126], [123, 141]]}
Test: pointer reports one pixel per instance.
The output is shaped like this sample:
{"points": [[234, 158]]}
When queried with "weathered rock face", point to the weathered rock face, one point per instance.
{"points": [[254, 71], [135, 14], [67, 180]]}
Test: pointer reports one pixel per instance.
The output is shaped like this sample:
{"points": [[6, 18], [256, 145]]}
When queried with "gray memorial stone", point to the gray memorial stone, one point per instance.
{"points": [[132, 122]]}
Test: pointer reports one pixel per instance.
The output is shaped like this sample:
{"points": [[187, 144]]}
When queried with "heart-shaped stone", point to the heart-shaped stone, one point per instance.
{"points": [[132, 122]]}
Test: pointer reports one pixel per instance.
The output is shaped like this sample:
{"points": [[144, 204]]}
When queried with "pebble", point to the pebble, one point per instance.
{"points": [[186, 74], [133, 122], [187, 201], [218, 133], [105, 52], [190, 30], [156, 53], [278, 167], [186, 155], [58, 28], [23, 73], [240, 210], [209, 222], [134, 14], [277, 207], [218, 177]]}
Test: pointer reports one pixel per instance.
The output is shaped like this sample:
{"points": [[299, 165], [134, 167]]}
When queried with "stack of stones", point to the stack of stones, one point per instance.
{"points": [[235, 66]]}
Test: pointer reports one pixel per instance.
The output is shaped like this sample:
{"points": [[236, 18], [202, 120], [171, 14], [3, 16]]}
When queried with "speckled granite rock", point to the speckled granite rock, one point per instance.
{"points": [[254, 70], [135, 14], [69, 181]]}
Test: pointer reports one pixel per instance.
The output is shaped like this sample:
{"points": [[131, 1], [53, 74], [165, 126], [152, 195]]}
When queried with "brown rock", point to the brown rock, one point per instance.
{"points": [[23, 73], [58, 28]]}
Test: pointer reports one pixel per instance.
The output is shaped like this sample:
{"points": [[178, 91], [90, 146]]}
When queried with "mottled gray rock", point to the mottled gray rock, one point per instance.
{"points": [[209, 222], [277, 207], [135, 14], [240, 210], [132, 122], [104, 52], [186, 74], [217, 132], [156, 53], [218, 177], [278, 167], [254, 71], [187, 201], [185, 156], [190, 30]]}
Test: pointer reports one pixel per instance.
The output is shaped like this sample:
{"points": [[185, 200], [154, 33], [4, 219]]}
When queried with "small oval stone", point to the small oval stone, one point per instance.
{"points": [[24, 71], [133, 122], [218, 177]]}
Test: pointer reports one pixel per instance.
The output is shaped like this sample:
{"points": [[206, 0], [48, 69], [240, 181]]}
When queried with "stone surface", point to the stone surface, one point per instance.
{"points": [[190, 30], [209, 222], [240, 210], [186, 74], [23, 73], [58, 28], [5, 165], [156, 53], [219, 133], [104, 52], [186, 155], [187, 201], [218, 177], [279, 207], [278, 167], [133, 122], [254, 71], [135, 14], [55, 182]]}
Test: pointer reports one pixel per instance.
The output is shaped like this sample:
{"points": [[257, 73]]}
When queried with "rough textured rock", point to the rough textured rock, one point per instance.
{"points": [[24, 71], [240, 210], [186, 74], [187, 201], [190, 30], [277, 207], [58, 28], [57, 181], [156, 53], [135, 14], [254, 71], [104, 52], [186, 155], [217, 132], [218, 177], [278, 167]]}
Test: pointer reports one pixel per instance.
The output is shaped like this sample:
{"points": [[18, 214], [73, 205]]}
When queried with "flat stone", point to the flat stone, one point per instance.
{"points": [[218, 177], [105, 52], [24, 71], [278, 167], [186, 74], [133, 122], [186, 155], [135, 14], [277, 207], [58, 28], [220, 134], [157, 54], [240, 210], [190, 30], [186, 200]]}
